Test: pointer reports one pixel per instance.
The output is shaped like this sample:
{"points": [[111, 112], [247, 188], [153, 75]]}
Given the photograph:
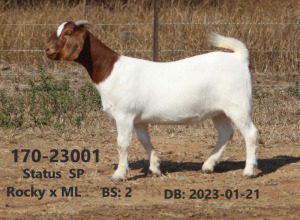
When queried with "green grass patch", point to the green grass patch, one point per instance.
{"points": [[49, 102]]}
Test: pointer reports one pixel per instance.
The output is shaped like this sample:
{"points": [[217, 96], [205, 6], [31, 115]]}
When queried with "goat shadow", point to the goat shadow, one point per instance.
{"points": [[266, 166]]}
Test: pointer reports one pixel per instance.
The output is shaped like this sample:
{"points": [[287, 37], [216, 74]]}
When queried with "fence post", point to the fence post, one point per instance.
{"points": [[84, 8], [155, 32]]}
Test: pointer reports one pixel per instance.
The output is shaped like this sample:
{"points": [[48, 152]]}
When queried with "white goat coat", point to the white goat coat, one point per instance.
{"points": [[216, 85], [177, 92]]}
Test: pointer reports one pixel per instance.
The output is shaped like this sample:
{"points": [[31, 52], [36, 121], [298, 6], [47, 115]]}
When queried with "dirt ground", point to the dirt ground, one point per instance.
{"points": [[273, 194]]}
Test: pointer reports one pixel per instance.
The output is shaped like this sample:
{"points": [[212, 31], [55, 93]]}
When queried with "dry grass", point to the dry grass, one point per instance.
{"points": [[274, 47], [276, 112]]}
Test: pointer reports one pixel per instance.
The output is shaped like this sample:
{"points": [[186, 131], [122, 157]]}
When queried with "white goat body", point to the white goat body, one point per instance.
{"points": [[177, 92], [136, 92], [215, 85]]}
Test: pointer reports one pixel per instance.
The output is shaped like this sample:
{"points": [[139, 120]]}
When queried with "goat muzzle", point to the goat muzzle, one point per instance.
{"points": [[51, 54]]}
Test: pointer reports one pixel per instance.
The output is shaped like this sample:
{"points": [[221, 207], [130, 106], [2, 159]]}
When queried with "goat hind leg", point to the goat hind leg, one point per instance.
{"points": [[251, 138], [250, 134], [223, 125]]}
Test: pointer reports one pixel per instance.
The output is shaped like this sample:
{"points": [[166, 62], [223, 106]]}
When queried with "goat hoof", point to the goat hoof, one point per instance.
{"points": [[207, 171], [118, 178], [207, 168], [153, 172], [251, 173]]}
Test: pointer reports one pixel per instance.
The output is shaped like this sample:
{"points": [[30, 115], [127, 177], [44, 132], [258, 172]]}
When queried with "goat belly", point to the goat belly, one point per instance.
{"points": [[174, 118]]}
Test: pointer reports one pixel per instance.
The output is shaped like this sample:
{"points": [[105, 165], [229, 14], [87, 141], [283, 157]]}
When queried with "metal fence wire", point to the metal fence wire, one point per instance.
{"points": [[174, 40]]}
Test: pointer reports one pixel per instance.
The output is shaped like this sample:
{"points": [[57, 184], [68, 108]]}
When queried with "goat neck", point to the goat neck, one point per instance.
{"points": [[97, 59]]}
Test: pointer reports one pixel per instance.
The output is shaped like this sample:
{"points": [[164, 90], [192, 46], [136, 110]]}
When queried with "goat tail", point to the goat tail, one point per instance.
{"points": [[230, 43]]}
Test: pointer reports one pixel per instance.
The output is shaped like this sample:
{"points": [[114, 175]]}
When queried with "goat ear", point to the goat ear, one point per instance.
{"points": [[73, 46]]}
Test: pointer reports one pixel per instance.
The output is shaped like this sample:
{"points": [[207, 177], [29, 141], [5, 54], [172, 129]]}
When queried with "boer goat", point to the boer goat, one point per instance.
{"points": [[137, 92]]}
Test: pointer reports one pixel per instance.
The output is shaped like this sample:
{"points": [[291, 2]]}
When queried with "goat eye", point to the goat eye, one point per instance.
{"points": [[68, 32]]}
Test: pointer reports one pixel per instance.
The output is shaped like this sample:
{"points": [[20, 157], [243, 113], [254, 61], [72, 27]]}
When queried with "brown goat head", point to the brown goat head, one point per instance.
{"points": [[67, 41]]}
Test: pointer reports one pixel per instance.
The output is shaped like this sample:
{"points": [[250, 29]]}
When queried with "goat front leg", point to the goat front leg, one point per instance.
{"points": [[144, 138], [124, 128]]}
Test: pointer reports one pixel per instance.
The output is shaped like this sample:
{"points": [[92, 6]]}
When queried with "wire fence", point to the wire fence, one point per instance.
{"points": [[176, 40], [99, 25], [165, 23]]}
